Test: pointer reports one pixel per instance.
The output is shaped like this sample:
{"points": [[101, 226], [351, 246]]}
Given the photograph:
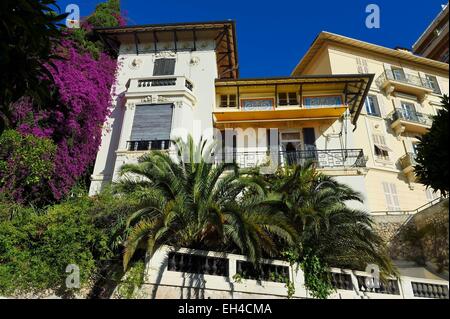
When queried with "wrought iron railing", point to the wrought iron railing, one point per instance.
{"points": [[406, 78], [148, 145], [335, 158], [412, 116]]}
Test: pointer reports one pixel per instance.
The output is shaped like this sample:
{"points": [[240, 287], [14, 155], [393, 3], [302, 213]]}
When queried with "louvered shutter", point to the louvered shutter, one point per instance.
{"points": [[152, 122], [164, 67], [387, 195], [395, 197]]}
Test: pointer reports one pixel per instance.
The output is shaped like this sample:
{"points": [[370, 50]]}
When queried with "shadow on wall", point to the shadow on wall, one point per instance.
{"points": [[424, 238], [193, 287]]}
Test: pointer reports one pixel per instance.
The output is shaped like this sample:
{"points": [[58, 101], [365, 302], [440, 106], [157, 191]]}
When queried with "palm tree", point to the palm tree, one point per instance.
{"points": [[316, 206], [187, 201]]}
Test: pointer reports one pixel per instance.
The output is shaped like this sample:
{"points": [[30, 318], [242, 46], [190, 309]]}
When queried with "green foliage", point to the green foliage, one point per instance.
{"points": [[133, 280], [432, 167], [317, 276], [28, 32], [105, 14], [80, 36], [26, 162], [237, 277], [36, 246], [189, 202], [316, 206]]}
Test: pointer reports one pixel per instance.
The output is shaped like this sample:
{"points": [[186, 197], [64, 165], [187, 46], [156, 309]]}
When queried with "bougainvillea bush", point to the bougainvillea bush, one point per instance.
{"points": [[84, 80]]}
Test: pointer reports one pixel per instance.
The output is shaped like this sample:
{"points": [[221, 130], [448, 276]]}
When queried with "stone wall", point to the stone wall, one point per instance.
{"points": [[422, 238]]}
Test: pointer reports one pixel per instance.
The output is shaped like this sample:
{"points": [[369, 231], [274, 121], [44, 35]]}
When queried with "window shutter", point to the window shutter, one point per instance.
{"points": [[390, 193], [387, 195], [152, 122], [164, 67], [395, 197]]}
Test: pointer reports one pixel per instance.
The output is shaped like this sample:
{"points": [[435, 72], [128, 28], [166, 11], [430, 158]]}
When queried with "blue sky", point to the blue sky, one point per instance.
{"points": [[273, 35]]}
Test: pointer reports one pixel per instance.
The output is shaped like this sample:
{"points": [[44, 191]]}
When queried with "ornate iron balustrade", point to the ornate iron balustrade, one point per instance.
{"points": [[266, 272], [410, 79], [336, 158], [428, 290], [148, 145], [390, 287], [196, 264], [411, 116]]}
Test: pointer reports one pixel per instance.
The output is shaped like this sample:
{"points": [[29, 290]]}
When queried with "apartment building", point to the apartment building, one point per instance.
{"points": [[433, 42], [355, 108], [407, 89]]}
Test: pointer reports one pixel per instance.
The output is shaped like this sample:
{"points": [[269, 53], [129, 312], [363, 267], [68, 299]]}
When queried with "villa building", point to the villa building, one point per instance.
{"points": [[355, 108], [433, 43]]}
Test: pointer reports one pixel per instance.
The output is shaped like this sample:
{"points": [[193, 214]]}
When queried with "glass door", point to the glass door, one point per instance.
{"points": [[409, 111], [290, 144], [398, 74]]}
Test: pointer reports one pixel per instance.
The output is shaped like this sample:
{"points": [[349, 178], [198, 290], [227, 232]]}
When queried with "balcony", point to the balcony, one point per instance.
{"points": [[410, 121], [407, 162], [406, 83], [168, 84], [324, 159]]}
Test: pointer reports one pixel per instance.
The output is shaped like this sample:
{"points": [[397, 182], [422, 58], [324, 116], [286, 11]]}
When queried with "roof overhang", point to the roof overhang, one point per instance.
{"points": [[354, 88], [222, 32], [327, 37]]}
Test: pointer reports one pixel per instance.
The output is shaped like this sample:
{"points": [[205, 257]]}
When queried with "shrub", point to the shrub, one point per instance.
{"points": [[26, 166], [37, 246]]}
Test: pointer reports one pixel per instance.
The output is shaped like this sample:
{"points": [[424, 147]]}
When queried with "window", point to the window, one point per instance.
{"points": [[322, 101], [287, 99], [228, 100], [398, 74], [409, 111], [164, 67], [362, 66], [380, 147], [152, 125], [372, 106], [390, 193], [432, 80]]}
